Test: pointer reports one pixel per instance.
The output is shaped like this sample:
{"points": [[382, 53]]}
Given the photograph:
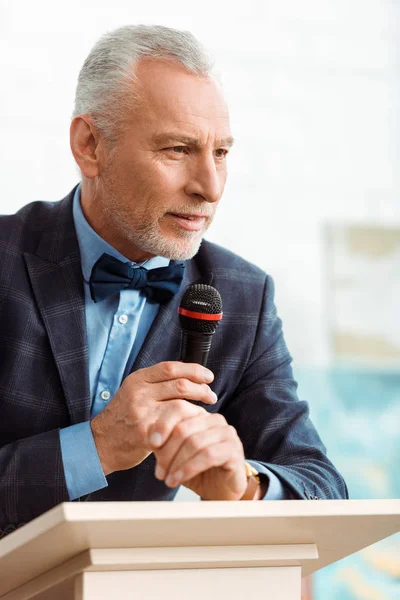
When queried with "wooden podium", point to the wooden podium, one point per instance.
{"points": [[180, 550]]}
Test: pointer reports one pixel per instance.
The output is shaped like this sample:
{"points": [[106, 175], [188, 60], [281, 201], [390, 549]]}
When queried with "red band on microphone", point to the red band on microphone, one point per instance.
{"points": [[201, 316]]}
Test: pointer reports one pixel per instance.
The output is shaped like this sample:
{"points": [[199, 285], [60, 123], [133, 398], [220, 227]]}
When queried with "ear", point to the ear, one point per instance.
{"points": [[85, 145]]}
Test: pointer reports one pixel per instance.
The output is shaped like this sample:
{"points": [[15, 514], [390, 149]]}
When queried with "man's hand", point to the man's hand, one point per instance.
{"points": [[122, 430], [203, 453]]}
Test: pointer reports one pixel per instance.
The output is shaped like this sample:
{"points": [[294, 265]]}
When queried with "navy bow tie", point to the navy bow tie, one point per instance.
{"points": [[110, 276]]}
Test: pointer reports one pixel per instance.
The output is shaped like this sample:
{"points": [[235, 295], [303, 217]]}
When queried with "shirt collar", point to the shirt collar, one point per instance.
{"points": [[92, 246]]}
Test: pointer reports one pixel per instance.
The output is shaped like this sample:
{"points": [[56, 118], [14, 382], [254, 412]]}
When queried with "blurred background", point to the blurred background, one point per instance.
{"points": [[312, 197]]}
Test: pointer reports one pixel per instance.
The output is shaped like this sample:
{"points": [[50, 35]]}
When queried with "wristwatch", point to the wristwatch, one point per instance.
{"points": [[253, 482]]}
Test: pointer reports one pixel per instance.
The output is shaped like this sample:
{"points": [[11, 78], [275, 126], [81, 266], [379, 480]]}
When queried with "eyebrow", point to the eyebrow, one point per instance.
{"points": [[169, 137]]}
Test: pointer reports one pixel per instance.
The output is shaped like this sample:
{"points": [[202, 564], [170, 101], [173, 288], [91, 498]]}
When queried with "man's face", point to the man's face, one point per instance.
{"points": [[160, 187]]}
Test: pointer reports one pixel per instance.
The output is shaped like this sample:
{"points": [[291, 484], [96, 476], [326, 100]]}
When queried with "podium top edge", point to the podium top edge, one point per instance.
{"points": [[152, 510], [68, 513], [89, 524]]}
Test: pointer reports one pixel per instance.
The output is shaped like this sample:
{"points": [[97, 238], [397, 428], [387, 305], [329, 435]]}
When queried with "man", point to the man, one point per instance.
{"points": [[94, 400]]}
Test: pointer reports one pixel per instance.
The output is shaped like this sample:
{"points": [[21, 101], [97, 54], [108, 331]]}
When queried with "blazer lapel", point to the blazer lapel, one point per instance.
{"points": [[57, 283], [164, 338]]}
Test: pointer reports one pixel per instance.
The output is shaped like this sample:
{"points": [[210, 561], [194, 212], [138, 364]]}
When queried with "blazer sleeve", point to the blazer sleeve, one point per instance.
{"points": [[31, 479], [272, 423]]}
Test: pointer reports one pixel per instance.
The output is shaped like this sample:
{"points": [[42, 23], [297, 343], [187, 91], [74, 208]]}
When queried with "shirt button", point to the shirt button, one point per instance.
{"points": [[105, 395], [123, 319]]}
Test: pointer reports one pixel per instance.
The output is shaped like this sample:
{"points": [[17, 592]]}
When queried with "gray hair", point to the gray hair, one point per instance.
{"points": [[107, 85]]}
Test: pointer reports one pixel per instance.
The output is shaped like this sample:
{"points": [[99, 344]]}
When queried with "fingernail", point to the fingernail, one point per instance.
{"points": [[209, 375], [155, 439], [160, 473], [173, 480], [169, 481], [215, 397]]}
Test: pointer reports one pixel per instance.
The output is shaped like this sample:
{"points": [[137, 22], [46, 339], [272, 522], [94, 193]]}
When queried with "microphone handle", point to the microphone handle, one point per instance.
{"points": [[195, 347]]}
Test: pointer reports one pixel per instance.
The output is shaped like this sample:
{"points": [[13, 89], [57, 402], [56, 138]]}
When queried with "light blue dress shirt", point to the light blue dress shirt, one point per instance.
{"points": [[116, 329]]}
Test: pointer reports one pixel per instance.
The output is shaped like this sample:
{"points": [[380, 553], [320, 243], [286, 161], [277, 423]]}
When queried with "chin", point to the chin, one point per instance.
{"points": [[178, 249], [169, 243]]}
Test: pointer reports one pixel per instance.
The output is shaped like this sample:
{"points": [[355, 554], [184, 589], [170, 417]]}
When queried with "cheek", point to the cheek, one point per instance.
{"points": [[139, 180], [171, 177], [223, 173], [149, 178]]}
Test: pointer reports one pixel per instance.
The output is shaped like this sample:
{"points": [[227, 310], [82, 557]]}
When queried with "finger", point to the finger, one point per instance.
{"points": [[222, 454], [188, 438], [165, 371], [183, 389], [182, 432], [169, 414]]}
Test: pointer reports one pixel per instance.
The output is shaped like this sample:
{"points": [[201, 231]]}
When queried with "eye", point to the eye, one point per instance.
{"points": [[221, 153], [179, 149]]}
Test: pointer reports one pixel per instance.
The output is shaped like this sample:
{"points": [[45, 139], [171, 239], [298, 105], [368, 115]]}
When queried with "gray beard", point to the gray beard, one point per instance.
{"points": [[148, 239]]}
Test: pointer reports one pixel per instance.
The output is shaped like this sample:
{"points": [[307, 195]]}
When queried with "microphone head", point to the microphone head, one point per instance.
{"points": [[200, 309]]}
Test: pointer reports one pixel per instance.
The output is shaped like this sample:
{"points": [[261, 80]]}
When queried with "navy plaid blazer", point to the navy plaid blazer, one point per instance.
{"points": [[44, 382]]}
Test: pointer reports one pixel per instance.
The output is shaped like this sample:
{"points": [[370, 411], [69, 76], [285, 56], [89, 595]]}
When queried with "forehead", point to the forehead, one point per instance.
{"points": [[171, 95]]}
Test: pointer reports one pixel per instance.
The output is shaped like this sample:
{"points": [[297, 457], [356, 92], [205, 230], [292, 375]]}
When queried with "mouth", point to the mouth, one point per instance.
{"points": [[190, 222]]}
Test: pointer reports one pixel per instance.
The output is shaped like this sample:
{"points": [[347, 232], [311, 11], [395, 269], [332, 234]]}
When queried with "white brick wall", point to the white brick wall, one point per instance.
{"points": [[313, 87]]}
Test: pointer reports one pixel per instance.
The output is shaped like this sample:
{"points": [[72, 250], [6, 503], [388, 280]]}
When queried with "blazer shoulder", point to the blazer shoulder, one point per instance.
{"points": [[23, 230], [223, 262], [33, 215]]}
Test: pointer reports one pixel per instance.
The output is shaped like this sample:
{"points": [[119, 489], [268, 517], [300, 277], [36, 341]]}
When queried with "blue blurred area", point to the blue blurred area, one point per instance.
{"points": [[357, 414]]}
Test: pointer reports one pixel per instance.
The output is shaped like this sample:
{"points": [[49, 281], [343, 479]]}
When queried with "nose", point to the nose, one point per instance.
{"points": [[206, 180]]}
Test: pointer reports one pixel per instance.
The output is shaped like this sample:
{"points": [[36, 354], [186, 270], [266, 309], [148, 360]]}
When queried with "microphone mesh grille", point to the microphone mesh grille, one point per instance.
{"points": [[200, 298]]}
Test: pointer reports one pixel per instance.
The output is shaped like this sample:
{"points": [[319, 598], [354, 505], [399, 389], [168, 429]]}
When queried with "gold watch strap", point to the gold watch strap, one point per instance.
{"points": [[253, 482]]}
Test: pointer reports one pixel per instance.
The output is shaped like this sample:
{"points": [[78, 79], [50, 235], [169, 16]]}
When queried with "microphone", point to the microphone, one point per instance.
{"points": [[200, 312]]}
